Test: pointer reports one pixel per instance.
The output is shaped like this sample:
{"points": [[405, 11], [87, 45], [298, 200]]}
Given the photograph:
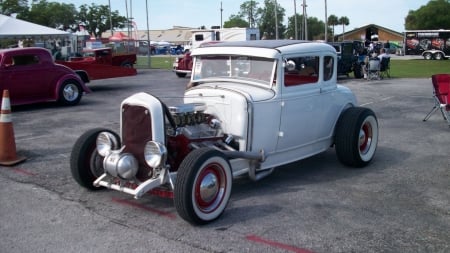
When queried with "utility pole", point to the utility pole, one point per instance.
{"points": [[221, 11], [110, 18], [276, 20], [326, 22], [305, 20], [148, 37], [295, 20], [250, 18]]}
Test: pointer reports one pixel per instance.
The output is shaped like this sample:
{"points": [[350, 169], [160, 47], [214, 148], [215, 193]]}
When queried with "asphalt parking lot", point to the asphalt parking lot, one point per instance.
{"points": [[399, 203]]}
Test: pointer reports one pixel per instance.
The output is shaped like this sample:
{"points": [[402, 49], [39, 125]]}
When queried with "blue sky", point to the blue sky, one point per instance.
{"points": [[164, 14]]}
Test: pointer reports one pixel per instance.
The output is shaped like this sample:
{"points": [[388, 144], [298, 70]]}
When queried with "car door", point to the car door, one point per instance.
{"points": [[309, 108], [301, 110], [28, 78]]}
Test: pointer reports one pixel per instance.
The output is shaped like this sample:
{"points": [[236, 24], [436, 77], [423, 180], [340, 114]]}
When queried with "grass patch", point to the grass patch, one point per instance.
{"points": [[418, 68], [156, 62]]}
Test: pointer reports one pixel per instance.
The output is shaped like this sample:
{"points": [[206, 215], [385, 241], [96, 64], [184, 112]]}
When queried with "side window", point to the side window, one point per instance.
{"points": [[198, 37], [328, 67], [301, 70], [21, 60]]}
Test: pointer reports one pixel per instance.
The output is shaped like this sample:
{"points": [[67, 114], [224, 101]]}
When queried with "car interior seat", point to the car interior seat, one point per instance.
{"points": [[373, 69]]}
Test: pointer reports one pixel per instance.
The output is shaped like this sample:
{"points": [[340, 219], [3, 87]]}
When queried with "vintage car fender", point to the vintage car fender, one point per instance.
{"points": [[66, 77]]}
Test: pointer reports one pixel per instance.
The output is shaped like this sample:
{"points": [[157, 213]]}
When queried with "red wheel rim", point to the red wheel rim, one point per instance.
{"points": [[365, 137], [210, 188]]}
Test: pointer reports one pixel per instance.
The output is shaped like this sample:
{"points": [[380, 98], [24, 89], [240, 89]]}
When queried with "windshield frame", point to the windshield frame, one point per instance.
{"points": [[248, 69]]}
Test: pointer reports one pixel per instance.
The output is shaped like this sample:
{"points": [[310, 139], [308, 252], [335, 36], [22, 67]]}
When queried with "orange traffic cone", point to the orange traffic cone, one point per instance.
{"points": [[8, 154]]}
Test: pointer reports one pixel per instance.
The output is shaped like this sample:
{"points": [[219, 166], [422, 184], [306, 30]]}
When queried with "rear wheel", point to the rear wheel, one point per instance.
{"points": [[356, 136], [127, 65], [70, 92], [357, 72], [438, 56], [203, 186], [181, 75], [86, 164]]}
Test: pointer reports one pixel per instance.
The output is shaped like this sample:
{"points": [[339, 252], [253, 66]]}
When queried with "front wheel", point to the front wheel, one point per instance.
{"points": [[70, 92], [203, 186], [427, 56], [86, 164], [356, 136], [358, 72]]}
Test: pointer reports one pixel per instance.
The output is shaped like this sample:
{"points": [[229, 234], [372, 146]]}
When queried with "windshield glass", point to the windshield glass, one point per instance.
{"points": [[255, 69]]}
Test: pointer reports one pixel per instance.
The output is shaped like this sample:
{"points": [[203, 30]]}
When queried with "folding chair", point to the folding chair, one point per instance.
{"points": [[385, 68], [373, 69], [441, 95]]}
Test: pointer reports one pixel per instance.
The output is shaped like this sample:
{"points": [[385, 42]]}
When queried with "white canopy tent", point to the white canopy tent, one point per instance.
{"points": [[12, 28]]}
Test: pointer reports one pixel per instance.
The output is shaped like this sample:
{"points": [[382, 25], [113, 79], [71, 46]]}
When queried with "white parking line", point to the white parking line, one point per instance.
{"points": [[26, 138], [384, 99]]}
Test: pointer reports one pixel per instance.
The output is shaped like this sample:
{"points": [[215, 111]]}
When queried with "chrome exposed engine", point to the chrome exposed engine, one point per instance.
{"points": [[193, 122]]}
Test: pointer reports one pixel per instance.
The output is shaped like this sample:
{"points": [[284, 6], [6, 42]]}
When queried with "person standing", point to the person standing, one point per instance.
{"points": [[387, 45]]}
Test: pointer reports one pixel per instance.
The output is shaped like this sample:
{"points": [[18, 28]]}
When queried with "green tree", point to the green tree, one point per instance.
{"points": [[315, 28], [249, 11], [434, 15], [290, 30], [344, 22], [19, 7], [96, 19], [267, 25], [235, 21], [53, 14], [333, 21]]}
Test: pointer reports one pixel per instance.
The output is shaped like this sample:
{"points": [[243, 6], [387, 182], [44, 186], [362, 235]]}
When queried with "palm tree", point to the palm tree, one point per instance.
{"points": [[333, 21], [343, 21]]}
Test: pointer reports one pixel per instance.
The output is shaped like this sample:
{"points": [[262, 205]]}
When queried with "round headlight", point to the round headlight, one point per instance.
{"points": [[106, 142], [155, 154]]}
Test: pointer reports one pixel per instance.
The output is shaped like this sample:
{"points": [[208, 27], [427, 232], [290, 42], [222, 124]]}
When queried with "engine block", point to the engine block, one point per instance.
{"points": [[193, 123]]}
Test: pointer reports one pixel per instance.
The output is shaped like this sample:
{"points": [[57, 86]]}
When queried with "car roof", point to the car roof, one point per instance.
{"points": [[24, 49], [271, 44], [264, 48]]}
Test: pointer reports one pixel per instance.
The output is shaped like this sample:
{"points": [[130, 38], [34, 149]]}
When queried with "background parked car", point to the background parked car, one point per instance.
{"points": [[393, 48], [31, 76]]}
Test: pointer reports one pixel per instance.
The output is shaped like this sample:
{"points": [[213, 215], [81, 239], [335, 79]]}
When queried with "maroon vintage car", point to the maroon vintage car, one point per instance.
{"points": [[31, 76]]}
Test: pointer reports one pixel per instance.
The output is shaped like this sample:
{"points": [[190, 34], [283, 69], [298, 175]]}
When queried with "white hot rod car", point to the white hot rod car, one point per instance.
{"points": [[250, 107]]}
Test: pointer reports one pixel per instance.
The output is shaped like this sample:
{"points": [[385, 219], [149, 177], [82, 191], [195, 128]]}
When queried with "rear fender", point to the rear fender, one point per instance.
{"points": [[68, 77]]}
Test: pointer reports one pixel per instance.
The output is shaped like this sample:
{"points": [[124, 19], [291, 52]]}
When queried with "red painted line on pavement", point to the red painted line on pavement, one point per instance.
{"points": [[258, 239], [24, 172], [146, 208]]}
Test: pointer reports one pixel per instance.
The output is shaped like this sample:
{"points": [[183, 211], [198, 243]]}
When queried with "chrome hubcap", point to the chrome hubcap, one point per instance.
{"points": [[70, 92], [209, 188]]}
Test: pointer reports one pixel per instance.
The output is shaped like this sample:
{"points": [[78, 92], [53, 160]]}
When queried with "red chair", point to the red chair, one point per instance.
{"points": [[441, 95]]}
